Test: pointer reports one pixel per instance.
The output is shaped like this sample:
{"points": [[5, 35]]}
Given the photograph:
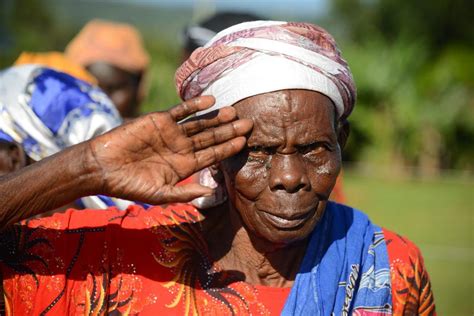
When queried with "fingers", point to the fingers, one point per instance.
{"points": [[221, 134], [191, 106], [182, 193], [197, 124], [213, 154]]}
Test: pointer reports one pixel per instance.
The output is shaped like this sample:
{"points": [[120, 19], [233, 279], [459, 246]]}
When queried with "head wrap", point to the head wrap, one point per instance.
{"points": [[114, 43], [46, 111], [57, 61], [263, 56]]}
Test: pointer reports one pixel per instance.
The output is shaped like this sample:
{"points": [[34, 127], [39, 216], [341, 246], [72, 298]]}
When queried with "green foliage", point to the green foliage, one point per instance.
{"points": [[437, 216], [15, 34], [412, 63], [161, 89]]}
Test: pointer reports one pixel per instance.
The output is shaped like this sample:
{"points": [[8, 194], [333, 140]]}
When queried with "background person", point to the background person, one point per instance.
{"points": [[113, 53]]}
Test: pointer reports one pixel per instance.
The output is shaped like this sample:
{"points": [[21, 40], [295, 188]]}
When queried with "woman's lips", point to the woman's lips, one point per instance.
{"points": [[288, 222]]}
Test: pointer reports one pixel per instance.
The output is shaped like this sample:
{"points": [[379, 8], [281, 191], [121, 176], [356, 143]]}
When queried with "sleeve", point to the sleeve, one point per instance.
{"points": [[411, 286], [43, 259], [85, 262]]}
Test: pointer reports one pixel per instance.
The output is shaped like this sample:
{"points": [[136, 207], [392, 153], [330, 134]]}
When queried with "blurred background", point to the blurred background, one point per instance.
{"points": [[410, 160]]}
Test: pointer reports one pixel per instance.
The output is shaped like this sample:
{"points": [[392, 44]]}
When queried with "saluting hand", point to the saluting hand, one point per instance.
{"points": [[144, 159]]}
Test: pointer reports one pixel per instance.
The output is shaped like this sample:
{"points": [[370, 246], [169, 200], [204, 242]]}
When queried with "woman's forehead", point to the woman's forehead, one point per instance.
{"points": [[286, 106], [302, 114]]}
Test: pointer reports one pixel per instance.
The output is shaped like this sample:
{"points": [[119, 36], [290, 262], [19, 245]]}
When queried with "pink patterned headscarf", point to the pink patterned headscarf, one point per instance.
{"points": [[263, 56]]}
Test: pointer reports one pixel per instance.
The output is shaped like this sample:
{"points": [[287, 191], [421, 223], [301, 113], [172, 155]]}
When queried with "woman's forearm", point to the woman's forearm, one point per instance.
{"points": [[47, 184]]}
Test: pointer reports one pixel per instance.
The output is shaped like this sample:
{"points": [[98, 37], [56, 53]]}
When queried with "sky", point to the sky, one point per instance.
{"points": [[284, 7], [172, 15]]}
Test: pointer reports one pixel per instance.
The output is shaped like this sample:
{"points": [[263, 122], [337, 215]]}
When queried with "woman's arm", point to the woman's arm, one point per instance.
{"points": [[47, 184], [141, 160]]}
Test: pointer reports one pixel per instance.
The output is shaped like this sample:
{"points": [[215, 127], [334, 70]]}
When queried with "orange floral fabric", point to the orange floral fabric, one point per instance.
{"points": [[148, 262], [411, 286]]}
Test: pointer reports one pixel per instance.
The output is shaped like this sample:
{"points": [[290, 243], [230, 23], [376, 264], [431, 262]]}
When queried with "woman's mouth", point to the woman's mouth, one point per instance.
{"points": [[288, 222]]}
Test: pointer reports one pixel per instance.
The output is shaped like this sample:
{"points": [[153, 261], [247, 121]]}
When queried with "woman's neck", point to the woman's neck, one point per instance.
{"points": [[233, 248]]}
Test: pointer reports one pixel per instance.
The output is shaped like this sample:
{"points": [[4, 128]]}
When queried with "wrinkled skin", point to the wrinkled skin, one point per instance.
{"points": [[121, 86], [280, 184]]}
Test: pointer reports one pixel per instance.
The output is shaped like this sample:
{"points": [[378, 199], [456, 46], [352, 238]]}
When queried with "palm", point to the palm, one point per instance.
{"points": [[145, 159]]}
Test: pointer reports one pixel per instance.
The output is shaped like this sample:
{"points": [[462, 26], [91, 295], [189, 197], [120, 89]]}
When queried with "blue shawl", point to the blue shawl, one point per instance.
{"points": [[345, 270]]}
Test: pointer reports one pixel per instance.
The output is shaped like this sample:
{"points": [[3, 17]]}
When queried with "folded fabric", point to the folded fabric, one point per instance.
{"points": [[263, 56], [345, 270]]}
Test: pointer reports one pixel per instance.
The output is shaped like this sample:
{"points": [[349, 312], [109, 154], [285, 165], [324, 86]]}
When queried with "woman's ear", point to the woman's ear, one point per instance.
{"points": [[343, 131], [12, 157]]}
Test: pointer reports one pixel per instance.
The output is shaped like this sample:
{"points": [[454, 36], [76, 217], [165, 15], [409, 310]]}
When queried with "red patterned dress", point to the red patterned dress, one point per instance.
{"points": [[153, 262]]}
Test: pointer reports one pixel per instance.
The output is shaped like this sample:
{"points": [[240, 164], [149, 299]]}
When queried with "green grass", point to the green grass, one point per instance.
{"points": [[438, 215]]}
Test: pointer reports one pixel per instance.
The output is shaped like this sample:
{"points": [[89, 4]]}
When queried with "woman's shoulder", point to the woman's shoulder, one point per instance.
{"points": [[401, 248], [411, 286]]}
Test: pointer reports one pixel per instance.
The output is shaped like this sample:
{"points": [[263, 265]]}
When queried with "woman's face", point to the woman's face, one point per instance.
{"points": [[12, 157], [280, 183], [120, 85]]}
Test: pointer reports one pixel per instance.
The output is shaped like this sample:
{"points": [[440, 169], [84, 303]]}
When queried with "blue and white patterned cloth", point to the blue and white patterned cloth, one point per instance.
{"points": [[46, 111], [345, 270]]}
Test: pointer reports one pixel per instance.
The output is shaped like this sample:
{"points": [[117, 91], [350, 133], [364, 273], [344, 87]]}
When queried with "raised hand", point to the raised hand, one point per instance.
{"points": [[144, 159]]}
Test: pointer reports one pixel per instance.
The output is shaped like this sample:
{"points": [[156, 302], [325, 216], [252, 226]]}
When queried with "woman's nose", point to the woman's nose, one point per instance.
{"points": [[288, 173]]}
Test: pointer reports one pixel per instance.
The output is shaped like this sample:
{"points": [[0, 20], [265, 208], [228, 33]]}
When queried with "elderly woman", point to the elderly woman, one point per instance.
{"points": [[275, 246]]}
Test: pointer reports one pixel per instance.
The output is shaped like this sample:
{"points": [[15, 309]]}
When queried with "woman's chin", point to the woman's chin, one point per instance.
{"points": [[283, 232]]}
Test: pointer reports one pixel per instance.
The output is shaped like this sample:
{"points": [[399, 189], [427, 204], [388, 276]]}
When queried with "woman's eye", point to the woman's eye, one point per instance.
{"points": [[259, 150], [314, 148], [259, 154]]}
